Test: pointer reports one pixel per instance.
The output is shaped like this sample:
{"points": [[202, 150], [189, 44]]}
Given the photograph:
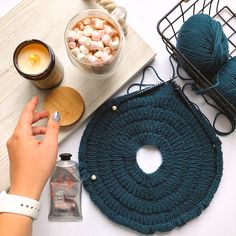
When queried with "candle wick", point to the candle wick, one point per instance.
{"points": [[34, 58]]}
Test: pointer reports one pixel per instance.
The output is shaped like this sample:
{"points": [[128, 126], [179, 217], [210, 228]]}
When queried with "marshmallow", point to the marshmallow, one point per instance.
{"points": [[114, 45], [86, 41], [79, 34], [92, 59], [115, 32], [98, 23], [100, 46], [71, 36], [96, 35], [75, 51], [116, 38], [101, 32], [98, 54], [72, 45], [105, 57], [109, 31], [106, 39], [81, 25], [94, 45], [84, 50], [82, 58], [86, 21], [88, 31], [107, 50]]}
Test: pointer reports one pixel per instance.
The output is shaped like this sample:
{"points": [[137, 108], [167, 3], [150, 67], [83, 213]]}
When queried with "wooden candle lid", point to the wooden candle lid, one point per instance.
{"points": [[68, 102]]}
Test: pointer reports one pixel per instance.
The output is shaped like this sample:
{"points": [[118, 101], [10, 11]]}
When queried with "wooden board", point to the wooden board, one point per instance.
{"points": [[46, 20]]}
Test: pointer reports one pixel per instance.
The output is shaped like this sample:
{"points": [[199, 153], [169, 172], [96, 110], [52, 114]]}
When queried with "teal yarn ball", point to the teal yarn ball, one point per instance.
{"points": [[202, 41], [226, 80]]}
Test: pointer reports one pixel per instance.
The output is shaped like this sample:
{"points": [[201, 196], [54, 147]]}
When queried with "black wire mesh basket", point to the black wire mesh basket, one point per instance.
{"points": [[169, 26]]}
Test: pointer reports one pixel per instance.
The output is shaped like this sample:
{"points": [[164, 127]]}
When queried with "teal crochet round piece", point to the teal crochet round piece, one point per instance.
{"points": [[179, 189]]}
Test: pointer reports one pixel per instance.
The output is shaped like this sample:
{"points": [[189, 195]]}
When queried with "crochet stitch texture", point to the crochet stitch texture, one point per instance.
{"points": [[185, 182]]}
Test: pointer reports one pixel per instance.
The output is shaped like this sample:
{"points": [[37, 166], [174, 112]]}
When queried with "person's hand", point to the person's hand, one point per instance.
{"points": [[32, 161]]}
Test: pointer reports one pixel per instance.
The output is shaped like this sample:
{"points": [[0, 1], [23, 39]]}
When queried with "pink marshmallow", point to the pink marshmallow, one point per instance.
{"points": [[106, 39], [98, 23], [96, 35], [71, 36], [105, 57], [72, 45], [109, 31], [101, 32]]}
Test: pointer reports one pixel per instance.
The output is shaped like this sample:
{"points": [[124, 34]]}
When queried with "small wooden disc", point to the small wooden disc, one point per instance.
{"points": [[68, 102]]}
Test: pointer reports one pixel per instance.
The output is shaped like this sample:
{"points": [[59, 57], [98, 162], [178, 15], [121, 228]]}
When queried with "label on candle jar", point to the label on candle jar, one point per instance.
{"points": [[53, 78]]}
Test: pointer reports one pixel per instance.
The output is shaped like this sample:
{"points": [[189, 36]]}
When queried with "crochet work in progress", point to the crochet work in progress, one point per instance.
{"points": [[179, 189]]}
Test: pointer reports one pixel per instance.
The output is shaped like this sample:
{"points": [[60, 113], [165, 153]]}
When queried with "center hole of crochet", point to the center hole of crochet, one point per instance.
{"points": [[149, 158]]}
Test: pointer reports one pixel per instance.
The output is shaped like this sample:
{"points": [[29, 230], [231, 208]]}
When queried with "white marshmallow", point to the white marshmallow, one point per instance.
{"points": [[84, 50], [101, 32], [100, 46], [88, 32], [71, 36], [86, 21], [72, 45], [106, 39], [79, 34], [92, 59], [82, 58], [86, 41], [107, 50], [75, 51], [114, 45], [94, 45], [98, 54]]}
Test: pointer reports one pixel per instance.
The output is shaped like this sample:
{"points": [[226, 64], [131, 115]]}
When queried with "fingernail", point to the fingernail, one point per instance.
{"points": [[56, 116]]}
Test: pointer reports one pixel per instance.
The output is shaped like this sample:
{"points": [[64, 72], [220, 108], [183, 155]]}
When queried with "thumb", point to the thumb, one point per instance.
{"points": [[52, 131]]}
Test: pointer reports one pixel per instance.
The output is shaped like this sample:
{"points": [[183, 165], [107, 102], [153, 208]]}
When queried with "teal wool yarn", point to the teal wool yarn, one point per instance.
{"points": [[226, 80], [202, 41], [184, 184]]}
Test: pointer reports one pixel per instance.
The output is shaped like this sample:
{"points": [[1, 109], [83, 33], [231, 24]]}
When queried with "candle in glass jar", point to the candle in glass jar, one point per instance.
{"points": [[36, 61], [33, 59]]}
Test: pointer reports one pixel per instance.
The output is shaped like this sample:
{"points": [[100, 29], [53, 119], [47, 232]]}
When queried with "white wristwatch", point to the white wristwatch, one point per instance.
{"points": [[19, 205]]}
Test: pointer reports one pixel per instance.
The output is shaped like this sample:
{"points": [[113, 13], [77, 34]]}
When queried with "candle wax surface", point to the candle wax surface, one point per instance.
{"points": [[33, 59]]}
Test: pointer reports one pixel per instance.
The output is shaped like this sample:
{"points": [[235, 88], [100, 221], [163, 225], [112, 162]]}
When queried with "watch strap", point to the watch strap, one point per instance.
{"points": [[19, 205]]}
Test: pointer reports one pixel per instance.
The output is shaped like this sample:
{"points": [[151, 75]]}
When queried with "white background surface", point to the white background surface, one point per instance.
{"points": [[218, 219]]}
